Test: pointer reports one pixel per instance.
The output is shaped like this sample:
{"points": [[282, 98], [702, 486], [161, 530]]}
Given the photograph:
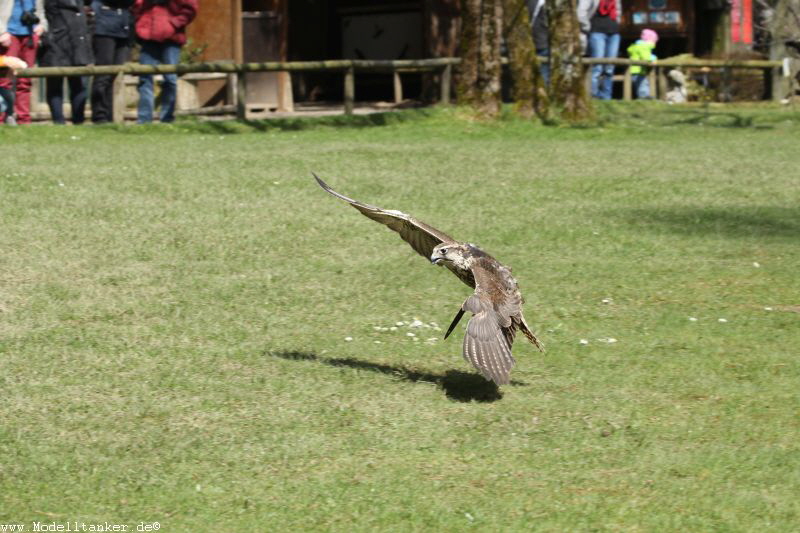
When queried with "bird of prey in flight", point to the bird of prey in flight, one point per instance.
{"points": [[496, 304]]}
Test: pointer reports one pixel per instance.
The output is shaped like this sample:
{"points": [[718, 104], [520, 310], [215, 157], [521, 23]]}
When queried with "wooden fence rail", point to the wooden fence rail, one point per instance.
{"points": [[349, 68]]}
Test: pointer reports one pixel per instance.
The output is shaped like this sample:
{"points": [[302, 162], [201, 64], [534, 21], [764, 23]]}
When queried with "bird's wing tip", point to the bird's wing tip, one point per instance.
{"points": [[341, 196], [319, 180]]}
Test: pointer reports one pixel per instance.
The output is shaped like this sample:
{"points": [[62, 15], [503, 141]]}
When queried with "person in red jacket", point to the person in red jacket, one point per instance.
{"points": [[161, 29]]}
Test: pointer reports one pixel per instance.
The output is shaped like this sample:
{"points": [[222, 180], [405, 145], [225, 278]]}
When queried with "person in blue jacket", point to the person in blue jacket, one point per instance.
{"points": [[113, 30]]}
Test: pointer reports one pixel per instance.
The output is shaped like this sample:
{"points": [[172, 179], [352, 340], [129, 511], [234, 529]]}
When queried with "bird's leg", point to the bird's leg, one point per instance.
{"points": [[455, 322]]}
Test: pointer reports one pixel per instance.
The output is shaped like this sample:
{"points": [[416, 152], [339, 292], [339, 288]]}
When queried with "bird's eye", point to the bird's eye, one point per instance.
{"points": [[443, 251]]}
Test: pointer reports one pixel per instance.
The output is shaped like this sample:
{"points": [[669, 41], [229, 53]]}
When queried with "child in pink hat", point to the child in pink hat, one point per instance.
{"points": [[642, 50], [650, 36]]}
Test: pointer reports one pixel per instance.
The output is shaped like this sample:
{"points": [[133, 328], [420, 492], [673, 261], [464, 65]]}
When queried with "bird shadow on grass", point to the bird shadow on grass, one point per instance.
{"points": [[458, 386], [706, 117], [651, 114], [734, 221]]}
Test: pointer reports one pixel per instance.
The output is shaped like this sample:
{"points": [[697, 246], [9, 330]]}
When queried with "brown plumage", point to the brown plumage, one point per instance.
{"points": [[496, 304]]}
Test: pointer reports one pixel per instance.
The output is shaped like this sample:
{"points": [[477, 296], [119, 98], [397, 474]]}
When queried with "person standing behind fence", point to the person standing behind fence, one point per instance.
{"points": [[600, 20], [113, 29], [161, 28], [642, 50], [6, 96], [22, 22], [67, 43], [541, 36]]}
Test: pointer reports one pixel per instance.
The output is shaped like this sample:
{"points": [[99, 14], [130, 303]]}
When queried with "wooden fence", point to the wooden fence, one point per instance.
{"points": [[349, 68]]}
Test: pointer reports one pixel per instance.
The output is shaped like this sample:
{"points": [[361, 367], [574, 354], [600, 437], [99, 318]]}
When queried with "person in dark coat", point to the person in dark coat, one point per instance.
{"points": [[66, 43], [113, 30]]}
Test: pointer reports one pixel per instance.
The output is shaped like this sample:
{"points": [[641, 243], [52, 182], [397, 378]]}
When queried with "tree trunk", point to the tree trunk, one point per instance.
{"points": [[784, 30], [529, 93], [568, 89], [481, 35], [521, 55]]}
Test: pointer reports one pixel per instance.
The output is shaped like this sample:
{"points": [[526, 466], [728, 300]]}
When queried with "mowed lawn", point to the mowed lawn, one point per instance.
{"points": [[193, 333]]}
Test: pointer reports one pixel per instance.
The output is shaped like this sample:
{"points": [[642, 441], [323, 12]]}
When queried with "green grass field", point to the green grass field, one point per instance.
{"points": [[176, 303]]}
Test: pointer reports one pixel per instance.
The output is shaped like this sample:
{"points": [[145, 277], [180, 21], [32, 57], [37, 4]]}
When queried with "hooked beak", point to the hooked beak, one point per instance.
{"points": [[435, 259]]}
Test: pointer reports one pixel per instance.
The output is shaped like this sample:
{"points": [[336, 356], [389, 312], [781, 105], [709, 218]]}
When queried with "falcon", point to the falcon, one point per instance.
{"points": [[496, 304]]}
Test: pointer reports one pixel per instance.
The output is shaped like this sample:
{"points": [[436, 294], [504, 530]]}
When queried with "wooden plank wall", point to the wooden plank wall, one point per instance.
{"points": [[218, 25]]}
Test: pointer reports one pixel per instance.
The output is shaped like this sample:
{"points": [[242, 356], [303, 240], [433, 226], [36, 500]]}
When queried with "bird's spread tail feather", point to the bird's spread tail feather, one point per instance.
{"points": [[530, 335]]}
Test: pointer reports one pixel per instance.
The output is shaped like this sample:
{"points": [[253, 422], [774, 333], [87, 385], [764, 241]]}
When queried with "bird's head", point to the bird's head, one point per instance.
{"points": [[458, 254]]}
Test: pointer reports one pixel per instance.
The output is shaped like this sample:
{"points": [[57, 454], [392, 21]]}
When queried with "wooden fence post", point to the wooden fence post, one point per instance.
{"points": [[652, 80], [118, 98], [446, 82], [230, 88], [587, 77], [783, 80], [349, 90], [791, 67], [661, 75], [627, 89], [285, 98], [241, 96], [398, 87], [726, 89]]}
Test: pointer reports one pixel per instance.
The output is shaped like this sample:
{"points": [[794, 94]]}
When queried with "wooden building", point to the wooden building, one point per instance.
{"points": [[701, 27], [304, 30], [244, 31], [672, 19]]}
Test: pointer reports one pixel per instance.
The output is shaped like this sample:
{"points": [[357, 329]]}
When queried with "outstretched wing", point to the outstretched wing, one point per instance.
{"points": [[485, 344], [422, 237]]}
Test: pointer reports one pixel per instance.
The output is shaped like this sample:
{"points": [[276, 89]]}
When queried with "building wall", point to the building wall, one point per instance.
{"points": [[218, 27]]}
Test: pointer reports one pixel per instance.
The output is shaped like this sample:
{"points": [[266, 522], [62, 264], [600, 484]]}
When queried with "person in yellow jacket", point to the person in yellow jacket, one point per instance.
{"points": [[7, 96], [642, 50]]}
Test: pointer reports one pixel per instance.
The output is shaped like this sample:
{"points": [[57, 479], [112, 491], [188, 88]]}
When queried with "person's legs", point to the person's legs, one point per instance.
{"points": [[597, 48], [22, 104], [149, 55], [23, 47], [170, 54], [101, 85], [544, 66], [6, 105], [642, 87], [7, 90], [607, 83], [122, 51], [77, 98], [55, 98]]}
